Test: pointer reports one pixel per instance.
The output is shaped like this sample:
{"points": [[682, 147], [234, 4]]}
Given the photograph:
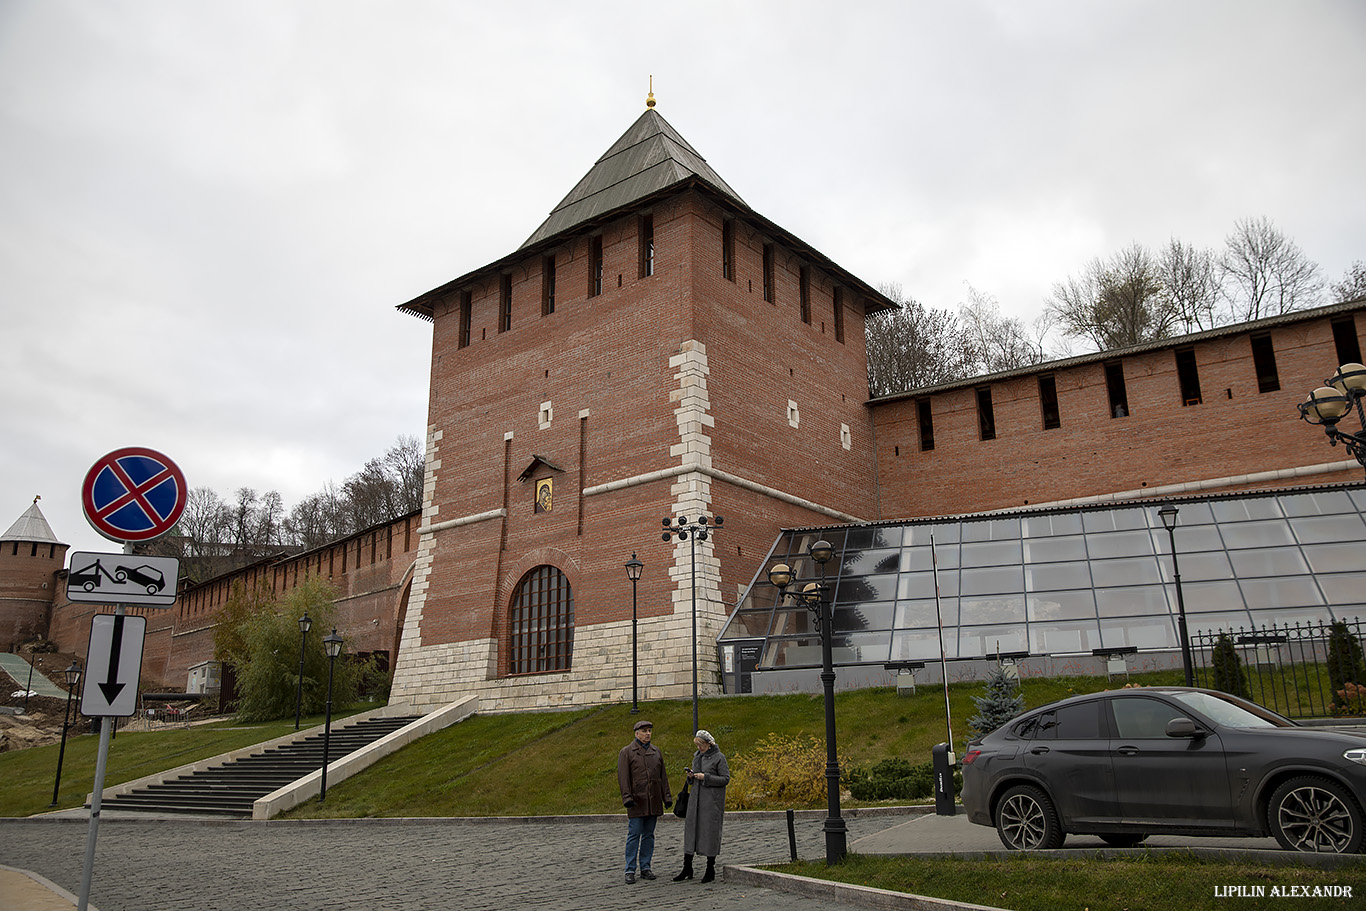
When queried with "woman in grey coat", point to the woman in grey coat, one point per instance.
{"points": [[709, 776]]}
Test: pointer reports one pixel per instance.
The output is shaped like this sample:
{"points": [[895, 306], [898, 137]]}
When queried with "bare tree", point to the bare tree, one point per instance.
{"points": [[1266, 273], [206, 520], [1190, 278], [371, 495], [243, 514], [319, 518], [270, 520], [384, 489], [914, 346], [1115, 303], [1353, 284], [255, 523], [406, 462], [920, 346], [196, 540], [996, 342], [1073, 305]]}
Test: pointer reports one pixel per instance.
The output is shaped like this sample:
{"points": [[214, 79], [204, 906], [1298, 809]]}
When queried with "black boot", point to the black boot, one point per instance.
{"points": [[687, 869], [711, 871]]}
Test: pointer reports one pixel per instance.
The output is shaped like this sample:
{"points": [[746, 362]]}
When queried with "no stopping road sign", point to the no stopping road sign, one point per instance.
{"points": [[133, 494]]}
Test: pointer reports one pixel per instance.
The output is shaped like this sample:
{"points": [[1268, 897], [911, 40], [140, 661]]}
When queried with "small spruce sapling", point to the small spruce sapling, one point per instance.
{"points": [[1001, 703]]}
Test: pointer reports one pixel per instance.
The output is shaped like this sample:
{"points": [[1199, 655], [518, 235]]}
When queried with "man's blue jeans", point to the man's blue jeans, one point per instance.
{"points": [[640, 839]]}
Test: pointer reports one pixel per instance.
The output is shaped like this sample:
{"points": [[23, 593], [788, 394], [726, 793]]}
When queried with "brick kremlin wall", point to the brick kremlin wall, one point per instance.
{"points": [[28, 580], [370, 570], [1236, 437]]}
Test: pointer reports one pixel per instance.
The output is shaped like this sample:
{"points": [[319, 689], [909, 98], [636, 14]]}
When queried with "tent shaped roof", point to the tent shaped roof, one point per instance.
{"points": [[650, 160], [649, 157], [31, 526]]}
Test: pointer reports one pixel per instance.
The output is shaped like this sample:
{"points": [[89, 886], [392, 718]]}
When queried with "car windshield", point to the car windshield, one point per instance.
{"points": [[1223, 710]]}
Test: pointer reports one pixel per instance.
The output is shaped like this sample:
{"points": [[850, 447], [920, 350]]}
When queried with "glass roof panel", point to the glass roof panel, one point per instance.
{"points": [[1067, 581]]}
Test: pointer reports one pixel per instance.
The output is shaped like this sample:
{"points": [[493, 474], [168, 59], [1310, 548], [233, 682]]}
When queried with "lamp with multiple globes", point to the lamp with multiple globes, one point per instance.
{"points": [[698, 529], [812, 595], [1327, 405]]}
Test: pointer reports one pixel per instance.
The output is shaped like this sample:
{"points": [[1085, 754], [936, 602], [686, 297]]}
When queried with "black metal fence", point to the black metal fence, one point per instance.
{"points": [[1301, 670]]}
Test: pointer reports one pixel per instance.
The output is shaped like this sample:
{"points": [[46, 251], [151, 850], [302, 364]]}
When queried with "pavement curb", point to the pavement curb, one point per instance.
{"points": [[59, 897], [82, 815], [845, 893], [1277, 857]]}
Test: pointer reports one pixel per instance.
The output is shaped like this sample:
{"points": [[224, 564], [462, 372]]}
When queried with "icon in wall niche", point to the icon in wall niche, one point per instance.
{"points": [[545, 494]]}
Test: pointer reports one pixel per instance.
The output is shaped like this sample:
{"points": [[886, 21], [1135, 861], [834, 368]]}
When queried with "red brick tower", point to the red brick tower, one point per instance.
{"points": [[30, 557], [656, 348]]}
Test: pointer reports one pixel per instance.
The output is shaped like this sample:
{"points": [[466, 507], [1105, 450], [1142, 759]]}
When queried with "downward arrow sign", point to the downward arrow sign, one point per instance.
{"points": [[111, 687]]}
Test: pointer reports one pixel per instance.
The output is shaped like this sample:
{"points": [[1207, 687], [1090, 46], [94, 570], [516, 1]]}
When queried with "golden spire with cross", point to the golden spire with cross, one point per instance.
{"points": [[650, 98]]}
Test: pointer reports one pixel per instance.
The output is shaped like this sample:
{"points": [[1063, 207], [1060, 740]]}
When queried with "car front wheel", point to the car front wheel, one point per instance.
{"points": [[1026, 820], [1315, 815]]}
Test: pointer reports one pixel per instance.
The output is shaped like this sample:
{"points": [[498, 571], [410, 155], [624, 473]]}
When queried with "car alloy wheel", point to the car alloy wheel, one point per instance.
{"points": [[1315, 815], [1027, 821]]}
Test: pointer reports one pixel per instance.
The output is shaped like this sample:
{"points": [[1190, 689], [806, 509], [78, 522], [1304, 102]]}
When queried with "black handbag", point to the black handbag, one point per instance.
{"points": [[681, 805]]}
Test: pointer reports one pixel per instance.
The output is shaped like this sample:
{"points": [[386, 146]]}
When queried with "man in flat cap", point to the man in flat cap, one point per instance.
{"points": [[645, 795]]}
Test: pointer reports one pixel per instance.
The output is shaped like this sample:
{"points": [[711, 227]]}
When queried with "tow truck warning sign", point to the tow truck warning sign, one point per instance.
{"points": [[122, 579]]}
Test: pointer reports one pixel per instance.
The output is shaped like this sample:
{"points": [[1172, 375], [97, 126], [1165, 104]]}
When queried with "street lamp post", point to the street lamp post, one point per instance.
{"points": [[633, 568], [333, 645], [1329, 403], [304, 625], [1168, 515], [692, 532], [813, 596], [28, 687], [73, 675]]}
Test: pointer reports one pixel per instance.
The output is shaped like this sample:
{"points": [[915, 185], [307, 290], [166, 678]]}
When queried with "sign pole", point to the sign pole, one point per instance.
{"points": [[943, 655], [129, 495], [96, 798]]}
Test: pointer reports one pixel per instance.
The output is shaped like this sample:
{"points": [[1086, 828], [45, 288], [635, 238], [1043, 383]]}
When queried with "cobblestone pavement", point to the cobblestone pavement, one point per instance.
{"points": [[561, 865]]}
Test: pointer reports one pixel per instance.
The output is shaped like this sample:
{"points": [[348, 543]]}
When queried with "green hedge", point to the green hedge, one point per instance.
{"points": [[894, 779]]}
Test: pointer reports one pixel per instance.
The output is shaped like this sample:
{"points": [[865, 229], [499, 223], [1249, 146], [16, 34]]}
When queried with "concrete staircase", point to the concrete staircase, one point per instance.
{"points": [[232, 788]]}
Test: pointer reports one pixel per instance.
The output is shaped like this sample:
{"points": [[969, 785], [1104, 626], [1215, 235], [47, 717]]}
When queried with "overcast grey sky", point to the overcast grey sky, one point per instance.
{"points": [[208, 211]]}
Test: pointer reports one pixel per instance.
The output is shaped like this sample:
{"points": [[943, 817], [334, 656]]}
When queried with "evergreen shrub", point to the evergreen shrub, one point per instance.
{"points": [[1228, 668], [891, 779], [1346, 670], [1001, 703]]}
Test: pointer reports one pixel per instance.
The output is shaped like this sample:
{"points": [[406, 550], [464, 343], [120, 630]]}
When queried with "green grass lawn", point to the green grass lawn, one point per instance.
{"points": [[564, 762], [535, 763], [1188, 882]]}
